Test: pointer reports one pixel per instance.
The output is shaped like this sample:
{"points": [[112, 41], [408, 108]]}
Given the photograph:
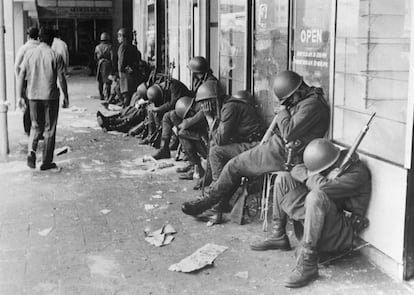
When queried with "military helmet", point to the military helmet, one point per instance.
{"points": [[105, 37], [142, 91], [207, 90], [245, 96], [319, 155], [155, 93], [286, 83], [183, 105], [198, 64]]}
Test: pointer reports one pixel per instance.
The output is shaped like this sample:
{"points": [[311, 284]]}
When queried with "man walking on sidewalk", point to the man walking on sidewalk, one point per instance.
{"points": [[32, 42], [41, 68]]}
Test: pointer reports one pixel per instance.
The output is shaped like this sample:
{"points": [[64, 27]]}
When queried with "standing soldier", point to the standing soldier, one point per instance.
{"points": [[41, 66], [32, 42], [105, 59], [302, 116], [128, 65]]}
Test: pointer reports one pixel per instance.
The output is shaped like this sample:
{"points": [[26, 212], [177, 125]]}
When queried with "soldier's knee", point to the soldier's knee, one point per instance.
{"points": [[317, 199]]}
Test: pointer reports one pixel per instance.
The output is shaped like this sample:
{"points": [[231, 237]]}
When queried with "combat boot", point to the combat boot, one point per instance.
{"points": [[306, 269], [278, 239], [164, 151], [197, 207]]}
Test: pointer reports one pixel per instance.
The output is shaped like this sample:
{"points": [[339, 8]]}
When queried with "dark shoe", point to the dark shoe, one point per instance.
{"points": [[47, 166], [162, 154], [189, 175], [306, 269], [273, 243], [31, 160], [196, 207], [99, 119], [184, 169]]}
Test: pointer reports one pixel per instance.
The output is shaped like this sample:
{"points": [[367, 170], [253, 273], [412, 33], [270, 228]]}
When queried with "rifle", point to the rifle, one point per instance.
{"points": [[347, 161], [240, 207]]}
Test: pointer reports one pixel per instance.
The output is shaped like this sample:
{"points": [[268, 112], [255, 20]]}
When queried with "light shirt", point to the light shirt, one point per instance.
{"points": [[61, 48], [30, 44], [41, 67]]}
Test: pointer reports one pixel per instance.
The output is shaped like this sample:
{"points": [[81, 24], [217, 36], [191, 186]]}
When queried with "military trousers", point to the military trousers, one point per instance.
{"points": [[325, 228]]}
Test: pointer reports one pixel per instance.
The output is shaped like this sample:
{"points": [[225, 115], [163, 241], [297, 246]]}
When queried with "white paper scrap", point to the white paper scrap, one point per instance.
{"points": [[202, 257], [105, 211], [45, 232]]}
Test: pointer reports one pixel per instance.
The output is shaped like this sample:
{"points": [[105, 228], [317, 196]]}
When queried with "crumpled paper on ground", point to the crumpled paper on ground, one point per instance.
{"points": [[162, 236], [202, 257]]}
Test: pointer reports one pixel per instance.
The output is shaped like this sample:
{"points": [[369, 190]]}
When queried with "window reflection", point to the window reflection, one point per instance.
{"points": [[371, 74], [270, 51], [232, 45]]}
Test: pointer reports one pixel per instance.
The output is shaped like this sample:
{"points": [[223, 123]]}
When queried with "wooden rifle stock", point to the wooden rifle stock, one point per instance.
{"points": [[346, 162]]}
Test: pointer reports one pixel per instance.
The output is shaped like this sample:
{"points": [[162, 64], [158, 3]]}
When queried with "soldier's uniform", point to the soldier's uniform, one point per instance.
{"points": [[306, 118], [239, 130], [105, 59]]}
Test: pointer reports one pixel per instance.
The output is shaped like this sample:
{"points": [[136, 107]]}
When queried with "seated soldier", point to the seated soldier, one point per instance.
{"points": [[303, 115], [162, 98], [194, 142], [316, 194], [129, 116], [240, 129]]}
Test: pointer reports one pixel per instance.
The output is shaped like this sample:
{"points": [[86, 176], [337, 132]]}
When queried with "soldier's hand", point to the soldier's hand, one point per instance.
{"points": [[279, 108], [333, 174]]}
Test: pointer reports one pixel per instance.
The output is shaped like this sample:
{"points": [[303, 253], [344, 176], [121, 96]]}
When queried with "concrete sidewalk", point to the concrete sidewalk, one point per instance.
{"points": [[55, 238]]}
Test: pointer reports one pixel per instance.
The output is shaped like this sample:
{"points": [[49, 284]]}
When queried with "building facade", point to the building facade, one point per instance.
{"points": [[358, 51]]}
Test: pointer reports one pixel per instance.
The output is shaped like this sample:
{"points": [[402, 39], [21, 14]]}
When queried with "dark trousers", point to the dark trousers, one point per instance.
{"points": [[269, 157], [27, 122], [104, 89], [169, 120], [43, 114], [325, 228], [126, 98], [219, 155], [193, 141]]}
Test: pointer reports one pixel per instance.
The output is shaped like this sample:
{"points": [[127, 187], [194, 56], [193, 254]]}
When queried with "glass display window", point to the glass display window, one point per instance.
{"points": [[232, 38], [371, 75], [270, 54]]}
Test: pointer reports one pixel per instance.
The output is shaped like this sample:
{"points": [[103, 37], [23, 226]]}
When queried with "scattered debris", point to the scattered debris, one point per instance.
{"points": [[159, 192], [70, 139], [242, 275], [114, 132], [156, 197], [62, 150], [97, 162], [202, 257], [162, 236], [75, 109], [45, 232], [172, 191], [149, 207], [105, 211]]}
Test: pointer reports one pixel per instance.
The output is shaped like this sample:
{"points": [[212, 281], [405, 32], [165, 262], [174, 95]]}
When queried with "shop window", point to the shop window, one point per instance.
{"points": [[233, 24], [371, 75], [270, 51], [311, 46]]}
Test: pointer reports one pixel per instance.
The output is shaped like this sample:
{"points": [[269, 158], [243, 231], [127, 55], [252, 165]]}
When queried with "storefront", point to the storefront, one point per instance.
{"points": [[358, 51]]}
